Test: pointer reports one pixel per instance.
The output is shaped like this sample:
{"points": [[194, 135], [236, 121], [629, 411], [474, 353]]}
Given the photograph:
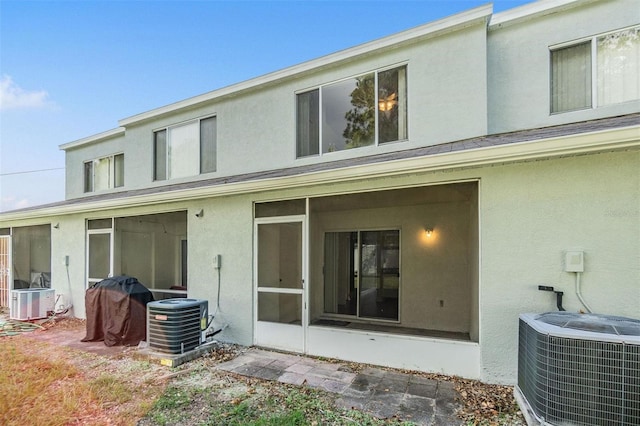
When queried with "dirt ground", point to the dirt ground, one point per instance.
{"points": [[138, 390]]}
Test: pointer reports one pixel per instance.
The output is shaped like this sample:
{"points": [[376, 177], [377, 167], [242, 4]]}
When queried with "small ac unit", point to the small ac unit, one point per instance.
{"points": [[579, 369], [31, 303], [176, 326]]}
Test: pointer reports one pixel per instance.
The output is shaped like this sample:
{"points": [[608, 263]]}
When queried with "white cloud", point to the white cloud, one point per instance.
{"points": [[13, 96]]}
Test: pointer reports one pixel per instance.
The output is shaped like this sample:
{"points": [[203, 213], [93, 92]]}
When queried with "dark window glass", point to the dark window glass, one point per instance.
{"points": [[160, 155], [308, 127]]}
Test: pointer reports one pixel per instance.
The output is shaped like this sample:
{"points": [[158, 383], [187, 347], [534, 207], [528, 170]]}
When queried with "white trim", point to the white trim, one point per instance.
{"points": [[290, 337], [580, 143], [448, 24], [479, 283], [442, 356], [89, 233], [283, 290], [376, 89], [184, 122], [592, 38], [112, 173], [93, 139], [531, 11]]}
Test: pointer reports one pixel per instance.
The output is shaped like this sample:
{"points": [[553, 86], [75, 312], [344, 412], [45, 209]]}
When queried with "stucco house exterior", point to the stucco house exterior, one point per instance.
{"points": [[397, 203]]}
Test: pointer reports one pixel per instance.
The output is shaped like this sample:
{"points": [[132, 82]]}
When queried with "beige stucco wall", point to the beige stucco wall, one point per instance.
{"points": [[226, 228], [530, 213], [518, 63], [256, 128], [76, 157]]}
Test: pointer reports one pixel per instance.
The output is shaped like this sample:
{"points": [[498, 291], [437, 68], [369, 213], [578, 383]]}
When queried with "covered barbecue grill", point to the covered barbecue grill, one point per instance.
{"points": [[117, 311]]}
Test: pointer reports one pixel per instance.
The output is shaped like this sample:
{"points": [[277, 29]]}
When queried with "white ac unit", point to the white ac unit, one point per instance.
{"points": [[579, 369], [31, 303]]}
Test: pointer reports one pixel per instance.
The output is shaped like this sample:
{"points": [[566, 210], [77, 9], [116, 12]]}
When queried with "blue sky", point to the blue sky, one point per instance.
{"points": [[72, 69]]}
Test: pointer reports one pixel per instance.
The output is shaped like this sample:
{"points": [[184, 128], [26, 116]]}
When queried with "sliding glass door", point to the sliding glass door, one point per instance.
{"points": [[362, 274]]}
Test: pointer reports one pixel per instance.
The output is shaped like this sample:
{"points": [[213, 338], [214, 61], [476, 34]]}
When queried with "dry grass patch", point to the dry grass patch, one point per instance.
{"points": [[45, 385], [39, 390]]}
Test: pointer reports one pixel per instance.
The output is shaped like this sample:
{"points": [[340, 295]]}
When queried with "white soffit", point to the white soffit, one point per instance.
{"points": [[583, 143], [451, 23]]}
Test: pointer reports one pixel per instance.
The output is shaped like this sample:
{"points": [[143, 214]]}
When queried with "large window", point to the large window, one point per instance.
{"points": [[184, 150], [362, 274], [104, 173], [361, 111], [603, 70]]}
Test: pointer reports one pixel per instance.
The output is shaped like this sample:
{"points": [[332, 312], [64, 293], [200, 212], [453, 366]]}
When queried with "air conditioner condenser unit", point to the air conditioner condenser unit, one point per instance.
{"points": [[31, 303], [176, 326], [579, 369]]}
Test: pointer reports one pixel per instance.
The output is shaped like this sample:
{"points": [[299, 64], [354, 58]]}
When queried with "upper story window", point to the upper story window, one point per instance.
{"points": [[603, 70], [366, 110], [186, 149], [104, 173]]}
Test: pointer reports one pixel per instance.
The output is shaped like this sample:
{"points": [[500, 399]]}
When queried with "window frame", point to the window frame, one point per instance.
{"points": [[113, 180], [358, 315], [166, 171], [593, 44], [319, 88]]}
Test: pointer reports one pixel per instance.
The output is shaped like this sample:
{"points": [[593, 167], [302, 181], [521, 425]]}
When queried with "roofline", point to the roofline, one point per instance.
{"points": [[531, 11], [119, 131], [450, 23], [553, 147]]}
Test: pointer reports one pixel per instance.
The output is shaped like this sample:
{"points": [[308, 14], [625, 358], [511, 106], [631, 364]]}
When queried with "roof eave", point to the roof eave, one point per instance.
{"points": [[119, 131], [567, 145], [451, 23]]}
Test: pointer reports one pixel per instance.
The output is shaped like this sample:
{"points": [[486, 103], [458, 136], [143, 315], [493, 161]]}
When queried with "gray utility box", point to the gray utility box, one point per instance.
{"points": [[176, 326]]}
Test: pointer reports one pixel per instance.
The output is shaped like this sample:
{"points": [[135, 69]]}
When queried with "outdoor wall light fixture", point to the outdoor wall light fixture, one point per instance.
{"points": [[428, 232], [56, 226], [200, 213]]}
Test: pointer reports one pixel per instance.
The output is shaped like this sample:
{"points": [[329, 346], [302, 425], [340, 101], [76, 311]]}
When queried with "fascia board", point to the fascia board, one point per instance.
{"points": [[584, 143], [448, 24], [119, 131], [531, 11]]}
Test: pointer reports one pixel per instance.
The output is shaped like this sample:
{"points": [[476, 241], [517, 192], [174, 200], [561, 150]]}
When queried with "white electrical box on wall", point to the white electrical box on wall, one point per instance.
{"points": [[574, 261], [217, 261]]}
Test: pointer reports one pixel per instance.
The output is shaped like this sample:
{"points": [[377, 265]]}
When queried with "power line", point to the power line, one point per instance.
{"points": [[31, 171]]}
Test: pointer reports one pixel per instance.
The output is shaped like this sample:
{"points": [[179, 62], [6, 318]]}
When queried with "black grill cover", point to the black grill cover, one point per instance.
{"points": [[116, 311]]}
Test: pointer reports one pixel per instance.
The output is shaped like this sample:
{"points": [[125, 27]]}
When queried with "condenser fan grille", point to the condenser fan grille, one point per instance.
{"points": [[174, 326], [578, 380], [596, 323]]}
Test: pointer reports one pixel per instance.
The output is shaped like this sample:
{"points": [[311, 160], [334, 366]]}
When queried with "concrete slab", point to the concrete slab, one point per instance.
{"points": [[428, 390], [446, 404], [299, 368], [384, 405], [291, 378], [417, 409], [379, 392], [267, 374]]}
